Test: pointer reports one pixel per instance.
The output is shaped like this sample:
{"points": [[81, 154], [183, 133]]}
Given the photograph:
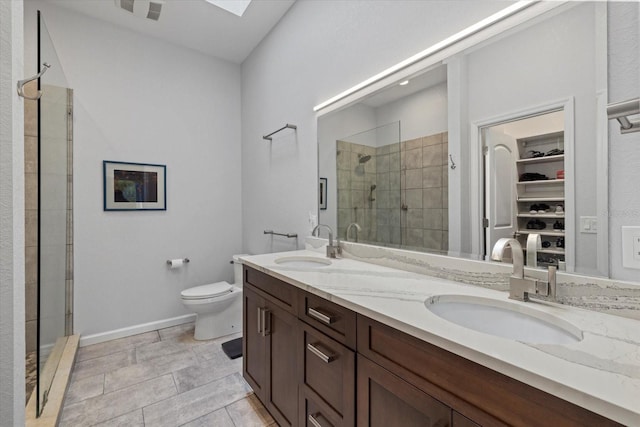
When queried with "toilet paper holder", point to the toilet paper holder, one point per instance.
{"points": [[185, 260]]}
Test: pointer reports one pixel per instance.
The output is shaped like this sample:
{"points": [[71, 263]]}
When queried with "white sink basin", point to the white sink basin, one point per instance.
{"points": [[514, 321], [303, 261]]}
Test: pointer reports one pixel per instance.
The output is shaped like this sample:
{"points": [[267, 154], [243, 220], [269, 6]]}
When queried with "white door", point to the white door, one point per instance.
{"points": [[500, 178]]}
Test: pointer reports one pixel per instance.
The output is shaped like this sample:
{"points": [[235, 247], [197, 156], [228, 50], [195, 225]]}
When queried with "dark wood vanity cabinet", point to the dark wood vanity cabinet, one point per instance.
{"points": [[314, 363], [269, 348], [475, 394]]}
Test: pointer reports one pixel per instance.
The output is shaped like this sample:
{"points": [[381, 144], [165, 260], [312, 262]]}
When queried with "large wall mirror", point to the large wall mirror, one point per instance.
{"points": [[503, 138]]}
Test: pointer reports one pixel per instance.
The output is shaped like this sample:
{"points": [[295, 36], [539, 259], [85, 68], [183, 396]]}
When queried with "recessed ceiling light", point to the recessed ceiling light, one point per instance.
{"points": [[404, 83], [237, 7]]}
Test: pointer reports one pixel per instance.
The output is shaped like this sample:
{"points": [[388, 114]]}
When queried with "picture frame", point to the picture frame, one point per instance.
{"points": [[134, 186], [322, 194]]}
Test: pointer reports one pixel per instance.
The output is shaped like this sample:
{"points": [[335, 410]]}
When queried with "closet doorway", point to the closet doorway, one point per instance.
{"points": [[524, 184]]}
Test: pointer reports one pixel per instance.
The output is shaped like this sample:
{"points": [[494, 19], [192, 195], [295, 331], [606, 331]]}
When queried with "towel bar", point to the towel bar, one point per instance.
{"points": [[287, 126], [287, 235]]}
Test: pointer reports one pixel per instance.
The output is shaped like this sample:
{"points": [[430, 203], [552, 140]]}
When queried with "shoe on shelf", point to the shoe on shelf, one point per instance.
{"points": [[532, 154], [536, 224], [559, 210], [533, 209], [560, 242], [554, 152], [558, 226], [543, 208], [546, 244], [533, 176]]}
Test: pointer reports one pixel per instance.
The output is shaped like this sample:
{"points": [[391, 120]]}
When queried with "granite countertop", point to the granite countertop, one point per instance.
{"points": [[601, 372]]}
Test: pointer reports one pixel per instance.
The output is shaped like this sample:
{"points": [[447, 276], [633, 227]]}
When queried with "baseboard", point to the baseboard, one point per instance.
{"points": [[135, 330]]}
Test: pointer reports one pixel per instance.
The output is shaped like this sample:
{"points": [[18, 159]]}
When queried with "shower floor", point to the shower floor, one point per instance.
{"points": [[31, 374]]}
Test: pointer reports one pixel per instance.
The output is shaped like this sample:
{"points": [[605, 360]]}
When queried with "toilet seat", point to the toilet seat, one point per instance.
{"points": [[206, 291]]}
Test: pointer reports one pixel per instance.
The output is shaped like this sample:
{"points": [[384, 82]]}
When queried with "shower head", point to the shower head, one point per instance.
{"points": [[373, 187], [363, 158]]}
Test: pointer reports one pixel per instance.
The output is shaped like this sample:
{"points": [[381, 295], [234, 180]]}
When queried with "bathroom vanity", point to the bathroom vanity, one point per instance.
{"points": [[353, 343]]}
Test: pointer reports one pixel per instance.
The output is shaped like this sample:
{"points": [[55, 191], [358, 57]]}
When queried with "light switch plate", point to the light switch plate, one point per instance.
{"points": [[631, 247], [589, 224]]}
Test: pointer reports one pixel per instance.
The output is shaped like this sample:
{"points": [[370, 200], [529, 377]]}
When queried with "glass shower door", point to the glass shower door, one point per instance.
{"points": [[55, 239], [368, 182]]}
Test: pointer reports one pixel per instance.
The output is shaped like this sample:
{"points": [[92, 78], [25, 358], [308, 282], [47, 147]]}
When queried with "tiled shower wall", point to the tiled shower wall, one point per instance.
{"points": [[31, 216], [408, 207], [425, 190], [354, 189]]}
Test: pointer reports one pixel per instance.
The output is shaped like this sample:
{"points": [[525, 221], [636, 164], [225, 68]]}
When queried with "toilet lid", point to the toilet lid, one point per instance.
{"points": [[207, 291]]}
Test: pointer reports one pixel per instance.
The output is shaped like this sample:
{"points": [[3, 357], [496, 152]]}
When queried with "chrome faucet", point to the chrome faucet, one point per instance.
{"points": [[533, 244], [332, 250], [358, 230], [520, 286]]}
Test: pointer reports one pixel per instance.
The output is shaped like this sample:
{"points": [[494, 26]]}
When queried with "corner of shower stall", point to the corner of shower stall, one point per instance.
{"points": [[50, 348]]}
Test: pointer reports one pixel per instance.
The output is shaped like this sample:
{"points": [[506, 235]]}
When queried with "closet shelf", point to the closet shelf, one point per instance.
{"points": [[545, 215], [542, 182], [533, 160], [557, 251], [542, 232], [530, 199]]}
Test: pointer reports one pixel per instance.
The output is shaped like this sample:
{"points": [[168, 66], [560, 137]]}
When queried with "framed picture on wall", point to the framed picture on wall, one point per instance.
{"points": [[134, 186], [323, 193]]}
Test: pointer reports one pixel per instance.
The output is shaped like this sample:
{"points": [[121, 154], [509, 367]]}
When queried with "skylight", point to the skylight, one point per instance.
{"points": [[237, 7]]}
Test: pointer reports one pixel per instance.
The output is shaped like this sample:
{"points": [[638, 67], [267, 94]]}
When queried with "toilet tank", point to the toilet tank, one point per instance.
{"points": [[237, 270]]}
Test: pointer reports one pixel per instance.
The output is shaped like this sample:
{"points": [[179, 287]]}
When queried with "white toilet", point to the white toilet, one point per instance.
{"points": [[218, 306]]}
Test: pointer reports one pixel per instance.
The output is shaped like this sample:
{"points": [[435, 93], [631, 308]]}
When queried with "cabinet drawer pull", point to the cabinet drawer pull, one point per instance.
{"points": [[315, 350], [313, 420], [328, 319]]}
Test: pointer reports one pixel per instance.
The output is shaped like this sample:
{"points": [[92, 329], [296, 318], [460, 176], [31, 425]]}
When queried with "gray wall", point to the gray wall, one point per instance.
{"points": [[11, 216], [624, 150]]}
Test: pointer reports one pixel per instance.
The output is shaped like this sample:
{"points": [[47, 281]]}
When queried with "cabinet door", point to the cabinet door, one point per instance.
{"points": [[282, 388], [386, 400], [254, 343]]}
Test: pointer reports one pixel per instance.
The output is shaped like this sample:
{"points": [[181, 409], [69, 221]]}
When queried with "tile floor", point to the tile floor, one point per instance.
{"points": [[160, 378]]}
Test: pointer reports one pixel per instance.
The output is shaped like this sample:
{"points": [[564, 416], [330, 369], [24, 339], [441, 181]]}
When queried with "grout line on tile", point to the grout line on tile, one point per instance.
{"points": [[229, 415]]}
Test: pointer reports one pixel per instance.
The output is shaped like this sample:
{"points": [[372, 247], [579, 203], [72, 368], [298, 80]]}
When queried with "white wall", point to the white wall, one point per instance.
{"points": [[317, 50], [420, 114], [139, 99], [12, 344], [624, 150]]}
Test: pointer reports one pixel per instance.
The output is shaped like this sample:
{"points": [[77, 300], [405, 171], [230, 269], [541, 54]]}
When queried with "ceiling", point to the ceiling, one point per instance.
{"points": [[194, 24]]}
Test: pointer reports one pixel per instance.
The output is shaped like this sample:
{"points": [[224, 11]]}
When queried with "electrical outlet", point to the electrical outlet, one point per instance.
{"points": [[631, 247]]}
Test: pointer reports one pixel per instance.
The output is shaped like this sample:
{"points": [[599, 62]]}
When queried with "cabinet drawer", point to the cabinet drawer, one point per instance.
{"points": [[330, 318], [281, 292], [314, 412], [465, 385], [327, 370]]}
